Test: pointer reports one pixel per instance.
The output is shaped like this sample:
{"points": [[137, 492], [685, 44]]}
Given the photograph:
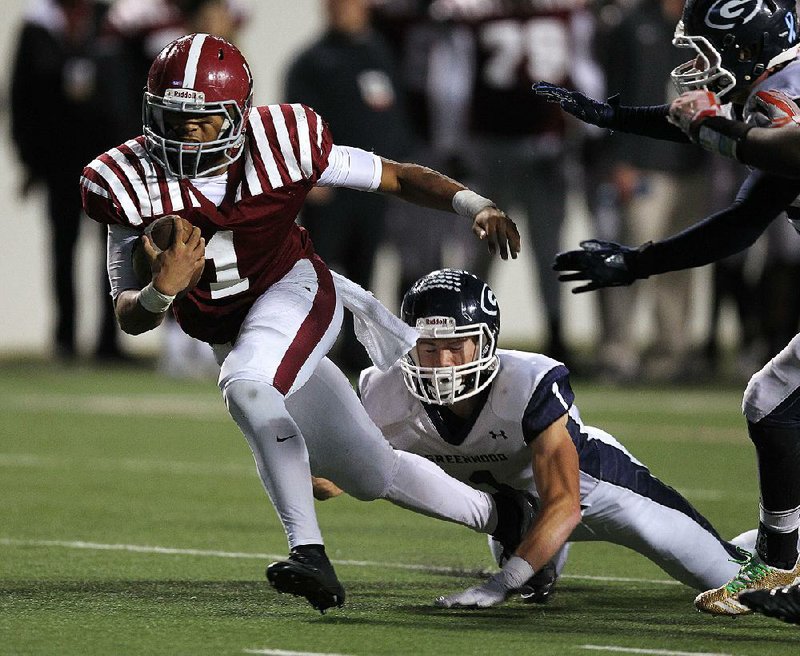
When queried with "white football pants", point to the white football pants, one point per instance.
{"points": [[346, 447]]}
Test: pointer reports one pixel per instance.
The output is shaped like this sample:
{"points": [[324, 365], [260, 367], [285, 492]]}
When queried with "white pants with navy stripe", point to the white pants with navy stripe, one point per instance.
{"points": [[675, 542]]}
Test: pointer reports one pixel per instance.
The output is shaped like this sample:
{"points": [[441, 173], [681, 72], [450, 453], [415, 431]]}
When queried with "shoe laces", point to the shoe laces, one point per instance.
{"points": [[752, 571]]}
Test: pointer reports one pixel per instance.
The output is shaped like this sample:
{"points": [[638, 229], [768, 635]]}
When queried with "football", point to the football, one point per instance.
{"points": [[162, 232]]}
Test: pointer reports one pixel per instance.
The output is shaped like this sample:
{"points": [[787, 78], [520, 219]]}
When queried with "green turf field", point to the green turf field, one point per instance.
{"points": [[132, 522]]}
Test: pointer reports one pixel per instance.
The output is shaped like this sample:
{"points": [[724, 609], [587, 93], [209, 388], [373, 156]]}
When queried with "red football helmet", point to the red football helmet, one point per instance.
{"points": [[197, 74]]}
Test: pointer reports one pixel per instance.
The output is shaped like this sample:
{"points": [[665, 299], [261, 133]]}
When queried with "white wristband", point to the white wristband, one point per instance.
{"points": [[153, 300], [467, 203], [515, 573]]}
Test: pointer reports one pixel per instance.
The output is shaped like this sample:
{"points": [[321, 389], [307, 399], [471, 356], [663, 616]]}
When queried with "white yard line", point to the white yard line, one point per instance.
{"points": [[203, 408], [172, 551], [655, 652], [142, 465], [283, 652]]}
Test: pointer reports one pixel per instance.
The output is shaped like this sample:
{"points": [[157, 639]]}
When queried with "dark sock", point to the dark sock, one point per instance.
{"points": [[508, 515], [778, 450], [777, 549]]}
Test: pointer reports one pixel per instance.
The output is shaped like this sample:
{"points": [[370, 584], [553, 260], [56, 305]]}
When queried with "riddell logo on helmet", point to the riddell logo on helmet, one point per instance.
{"points": [[435, 322], [726, 14], [185, 95]]}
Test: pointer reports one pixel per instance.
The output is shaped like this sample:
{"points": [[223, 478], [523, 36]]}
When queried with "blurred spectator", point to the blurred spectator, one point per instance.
{"points": [[140, 29], [659, 186], [469, 67], [777, 288], [520, 140], [734, 280], [436, 61], [349, 76], [59, 121]]}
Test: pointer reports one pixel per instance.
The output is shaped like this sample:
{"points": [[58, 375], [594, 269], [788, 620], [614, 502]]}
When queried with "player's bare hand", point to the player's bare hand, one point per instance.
{"points": [[179, 266], [498, 231], [324, 489]]}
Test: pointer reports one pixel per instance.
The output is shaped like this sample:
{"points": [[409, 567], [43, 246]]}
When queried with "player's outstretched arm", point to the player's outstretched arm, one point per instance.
{"points": [[769, 140], [423, 186], [774, 150], [648, 121], [556, 472], [761, 199]]}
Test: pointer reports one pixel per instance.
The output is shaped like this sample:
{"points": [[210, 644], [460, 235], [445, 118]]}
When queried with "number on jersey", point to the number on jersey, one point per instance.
{"points": [[222, 255], [538, 46]]}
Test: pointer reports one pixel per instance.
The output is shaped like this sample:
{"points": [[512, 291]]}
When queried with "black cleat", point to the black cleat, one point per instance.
{"points": [[541, 587], [308, 573], [781, 603], [516, 511]]}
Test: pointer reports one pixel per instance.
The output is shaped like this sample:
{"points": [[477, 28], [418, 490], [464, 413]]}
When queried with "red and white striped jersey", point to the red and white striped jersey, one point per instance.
{"points": [[252, 239]]}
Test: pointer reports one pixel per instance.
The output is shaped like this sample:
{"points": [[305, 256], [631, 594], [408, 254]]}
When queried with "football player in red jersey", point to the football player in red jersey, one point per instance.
{"points": [[267, 304], [746, 55]]}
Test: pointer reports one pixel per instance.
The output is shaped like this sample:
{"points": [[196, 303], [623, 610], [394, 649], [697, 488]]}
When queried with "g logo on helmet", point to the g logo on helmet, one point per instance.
{"points": [[488, 301], [726, 14]]}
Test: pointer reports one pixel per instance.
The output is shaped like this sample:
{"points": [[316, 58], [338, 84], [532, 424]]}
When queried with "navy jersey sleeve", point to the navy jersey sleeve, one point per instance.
{"points": [[648, 121], [551, 399], [761, 199]]}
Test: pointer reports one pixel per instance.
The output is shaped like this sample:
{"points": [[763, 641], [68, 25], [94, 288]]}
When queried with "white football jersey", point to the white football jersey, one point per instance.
{"points": [[621, 501], [529, 393], [786, 80]]}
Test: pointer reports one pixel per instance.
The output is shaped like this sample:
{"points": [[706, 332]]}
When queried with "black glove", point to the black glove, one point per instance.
{"points": [[588, 110], [602, 263]]}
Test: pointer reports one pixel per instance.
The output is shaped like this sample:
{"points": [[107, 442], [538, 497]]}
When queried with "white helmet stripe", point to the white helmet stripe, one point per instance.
{"points": [[190, 73]]}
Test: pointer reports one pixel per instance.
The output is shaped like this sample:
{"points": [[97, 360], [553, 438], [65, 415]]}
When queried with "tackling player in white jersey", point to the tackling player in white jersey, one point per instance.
{"points": [[494, 417], [746, 54]]}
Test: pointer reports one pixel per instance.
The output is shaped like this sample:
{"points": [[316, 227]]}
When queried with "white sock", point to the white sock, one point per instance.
{"points": [[280, 454]]}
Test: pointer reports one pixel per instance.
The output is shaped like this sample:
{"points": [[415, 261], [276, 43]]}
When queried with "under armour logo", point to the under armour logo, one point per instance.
{"points": [[494, 435]]}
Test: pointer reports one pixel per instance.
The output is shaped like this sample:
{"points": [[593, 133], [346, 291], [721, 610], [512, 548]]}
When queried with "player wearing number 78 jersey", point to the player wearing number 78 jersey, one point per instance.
{"points": [[239, 175]]}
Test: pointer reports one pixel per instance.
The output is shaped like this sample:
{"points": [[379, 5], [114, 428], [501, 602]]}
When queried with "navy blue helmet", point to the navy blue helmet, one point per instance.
{"points": [[451, 304], [735, 42]]}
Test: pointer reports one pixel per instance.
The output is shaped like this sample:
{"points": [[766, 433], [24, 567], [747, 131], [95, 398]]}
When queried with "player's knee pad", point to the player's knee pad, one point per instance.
{"points": [[755, 403], [775, 389], [251, 393], [257, 406], [765, 413]]}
